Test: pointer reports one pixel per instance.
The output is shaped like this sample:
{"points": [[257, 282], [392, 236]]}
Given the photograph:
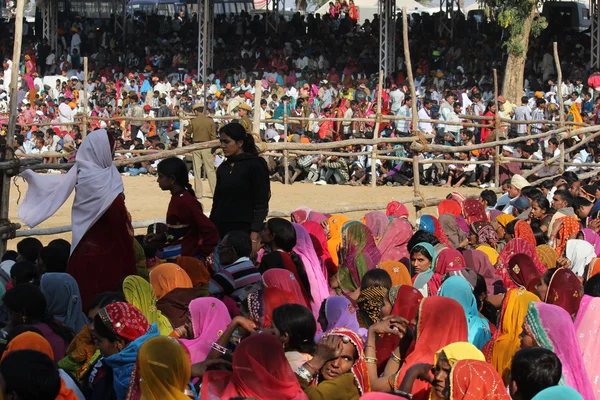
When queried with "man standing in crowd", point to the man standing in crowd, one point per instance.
{"points": [[202, 129]]}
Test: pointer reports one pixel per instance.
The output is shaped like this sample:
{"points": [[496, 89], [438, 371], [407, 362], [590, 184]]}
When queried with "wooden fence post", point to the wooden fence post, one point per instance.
{"points": [[561, 111], [376, 132], [257, 108], [286, 170], [497, 133], [84, 128], [181, 130], [413, 96], [12, 118]]}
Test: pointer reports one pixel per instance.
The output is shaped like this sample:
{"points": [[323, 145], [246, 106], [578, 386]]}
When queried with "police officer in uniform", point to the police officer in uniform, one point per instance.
{"points": [[243, 111], [202, 129]]}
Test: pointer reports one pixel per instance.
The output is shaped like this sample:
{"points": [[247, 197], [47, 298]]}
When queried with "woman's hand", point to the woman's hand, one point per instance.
{"points": [[421, 372], [329, 348], [255, 237], [199, 369], [245, 323], [391, 324], [563, 262]]}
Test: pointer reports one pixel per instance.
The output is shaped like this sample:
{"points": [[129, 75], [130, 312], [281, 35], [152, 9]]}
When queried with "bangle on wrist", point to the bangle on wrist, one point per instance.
{"points": [[403, 394], [394, 357], [371, 360]]}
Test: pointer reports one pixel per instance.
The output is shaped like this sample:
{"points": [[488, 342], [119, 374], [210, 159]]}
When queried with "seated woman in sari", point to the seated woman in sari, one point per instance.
{"points": [[174, 292], [120, 329], [561, 287], [338, 370], [551, 327], [139, 293]]}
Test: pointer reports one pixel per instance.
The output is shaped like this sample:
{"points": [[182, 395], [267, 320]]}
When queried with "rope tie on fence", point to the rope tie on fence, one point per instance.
{"points": [[12, 228], [10, 156], [423, 141], [422, 197]]}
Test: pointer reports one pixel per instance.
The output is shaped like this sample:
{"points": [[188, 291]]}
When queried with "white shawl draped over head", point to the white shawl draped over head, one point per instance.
{"points": [[96, 181]]}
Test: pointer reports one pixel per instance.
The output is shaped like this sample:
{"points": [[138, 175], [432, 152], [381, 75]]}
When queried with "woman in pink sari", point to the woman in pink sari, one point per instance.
{"points": [[317, 235], [317, 276], [377, 222], [396, 209], [587, 325], [285, 280], [550, 327], [516, 246], [393, 243], [209, 320], [590, 236]]}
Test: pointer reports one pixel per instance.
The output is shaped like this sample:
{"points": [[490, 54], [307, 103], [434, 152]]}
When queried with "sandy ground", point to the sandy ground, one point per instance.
{"points": [[145, 201]]}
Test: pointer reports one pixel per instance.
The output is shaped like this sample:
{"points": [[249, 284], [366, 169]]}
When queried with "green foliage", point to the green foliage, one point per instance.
{"points": [[513, 15]]}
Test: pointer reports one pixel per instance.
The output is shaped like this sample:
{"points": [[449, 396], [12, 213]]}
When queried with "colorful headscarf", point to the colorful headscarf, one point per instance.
{"points": [[359, 254], [552, 328], [124, 320], [335, 224], [285, 280], [490, 252], [474, 211], [590, 236], [569, 227], [272, 378], [138, 292], [455, 352], [503, 345], [209, 318], [558, 393], [319, 240], [398, 272], [424, 277], [64, 301], [587, 325], [300, 214], [376, 221], [393, 243], [523, 273], [168, 276], [454, 234], [262, 303], [564, 290], [359, 369], [448, 260], [432, 225], [449, 207], [479, 262], [485, 232], [504, 219], [434, 312], [406, 305], [316, 273], [516, 246], [457, 197], [476, 380], [162, 370], [457, 288], [547, 256], [581, 254], [370, 302], [195, 268], [426, 223], [396, 209], [523, 231]]}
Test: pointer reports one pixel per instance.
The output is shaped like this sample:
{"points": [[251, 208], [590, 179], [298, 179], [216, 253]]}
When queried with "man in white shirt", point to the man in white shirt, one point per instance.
{"points": [[425, 113], [522, 113], [403, 126], [396, 99], [65, 112]]}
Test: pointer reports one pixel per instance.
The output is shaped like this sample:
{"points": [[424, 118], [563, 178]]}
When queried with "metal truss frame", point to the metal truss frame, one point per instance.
{"points": [[595, 34], [387, 36], [49, 12], [449, 10]]}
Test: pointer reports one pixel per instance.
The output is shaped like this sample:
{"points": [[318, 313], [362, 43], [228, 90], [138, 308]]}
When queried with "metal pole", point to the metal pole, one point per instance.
{"points": [[12, 118], [85, 98]]}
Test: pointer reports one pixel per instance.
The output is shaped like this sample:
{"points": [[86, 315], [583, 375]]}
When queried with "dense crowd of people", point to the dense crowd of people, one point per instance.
{"points": [[329, 70], [491, 297]]}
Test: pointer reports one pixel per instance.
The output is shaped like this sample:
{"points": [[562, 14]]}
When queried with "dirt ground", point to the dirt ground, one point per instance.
{"points": [[145, 201]]}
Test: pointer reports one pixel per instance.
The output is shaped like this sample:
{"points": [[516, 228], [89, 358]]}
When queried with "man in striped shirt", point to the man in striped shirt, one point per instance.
{"points": [[239, 272]]}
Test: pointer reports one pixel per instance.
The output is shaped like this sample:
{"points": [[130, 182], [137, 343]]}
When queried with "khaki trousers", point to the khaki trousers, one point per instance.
{"points": [[204, 158]]}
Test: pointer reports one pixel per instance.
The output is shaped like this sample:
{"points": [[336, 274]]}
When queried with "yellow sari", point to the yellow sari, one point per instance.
{"points": [[500, 350], [490, 252], [456, 352], [574, 115], [398, 272], [335, 223], [139, 293]]}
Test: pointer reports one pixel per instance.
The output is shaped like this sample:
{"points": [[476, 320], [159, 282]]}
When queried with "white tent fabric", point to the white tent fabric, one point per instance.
{"points": [[368, 8]]}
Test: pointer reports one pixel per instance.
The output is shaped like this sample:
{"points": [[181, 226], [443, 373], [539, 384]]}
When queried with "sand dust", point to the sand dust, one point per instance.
{"points": [[145, 201]]}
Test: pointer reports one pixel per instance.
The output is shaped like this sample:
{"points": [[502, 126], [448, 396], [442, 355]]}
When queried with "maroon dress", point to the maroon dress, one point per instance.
{"points": [[105, 253]]}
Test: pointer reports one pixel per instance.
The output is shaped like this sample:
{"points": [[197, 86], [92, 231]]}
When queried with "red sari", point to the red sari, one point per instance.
{"points": [[105, 253]]}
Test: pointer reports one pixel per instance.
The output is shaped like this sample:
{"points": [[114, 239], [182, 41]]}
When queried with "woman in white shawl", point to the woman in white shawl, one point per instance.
{"points": [[102, 242]]}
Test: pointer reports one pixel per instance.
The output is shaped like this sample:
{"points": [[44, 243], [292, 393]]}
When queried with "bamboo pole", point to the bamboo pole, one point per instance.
{"points": [[413, 96], [12, 119], [376, 132], [181, 130], [286, 170], [84, 128], [497, 129], [561, 110], [257, 108]]}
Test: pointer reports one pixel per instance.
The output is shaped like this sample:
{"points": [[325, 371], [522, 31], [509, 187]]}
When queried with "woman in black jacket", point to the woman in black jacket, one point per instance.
{"points": [[241, 199]]}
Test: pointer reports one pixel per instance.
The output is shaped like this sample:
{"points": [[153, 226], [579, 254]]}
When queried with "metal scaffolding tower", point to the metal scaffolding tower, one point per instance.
{"points": [[272, 15], [49, 10], [205, 37], [449, 11], [595, 34], [121, 14], [387, 36]]}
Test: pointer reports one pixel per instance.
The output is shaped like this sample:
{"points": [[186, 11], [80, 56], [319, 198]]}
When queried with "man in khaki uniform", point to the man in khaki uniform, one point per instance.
{"points": [[245, 121], [202, 129]]}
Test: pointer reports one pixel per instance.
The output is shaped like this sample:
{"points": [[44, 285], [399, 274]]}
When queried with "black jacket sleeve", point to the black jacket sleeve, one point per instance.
{"points": [[261, 194]]}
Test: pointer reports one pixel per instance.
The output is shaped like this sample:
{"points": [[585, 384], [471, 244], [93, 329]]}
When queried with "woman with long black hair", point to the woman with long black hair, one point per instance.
{"points": [[241, 198], [189, 232]]}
